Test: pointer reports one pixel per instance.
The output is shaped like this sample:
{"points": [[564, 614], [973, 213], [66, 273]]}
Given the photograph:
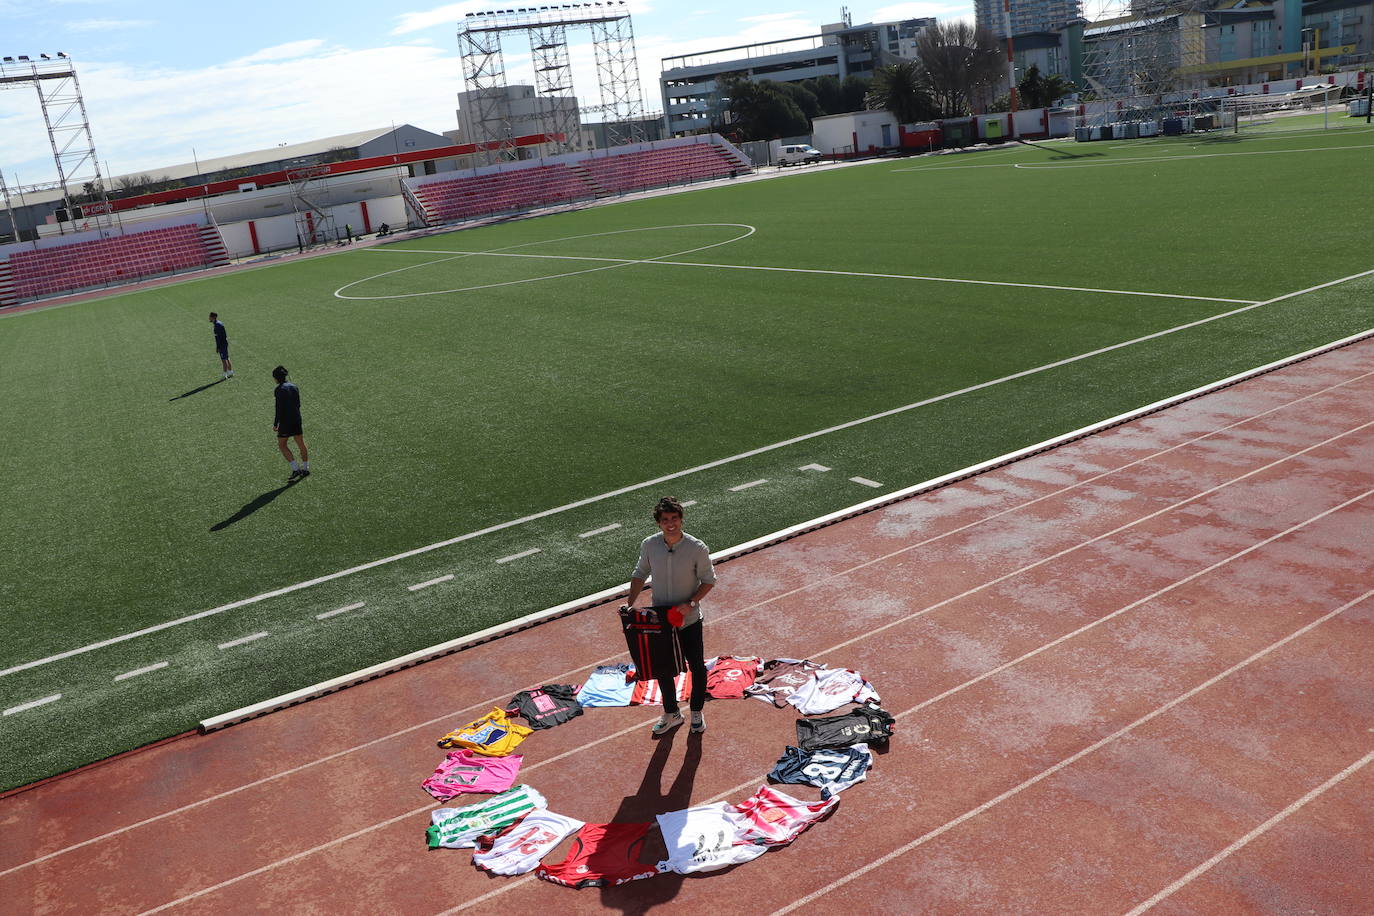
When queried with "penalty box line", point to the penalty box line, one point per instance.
{"points": [[720, 462], [833, 273]]}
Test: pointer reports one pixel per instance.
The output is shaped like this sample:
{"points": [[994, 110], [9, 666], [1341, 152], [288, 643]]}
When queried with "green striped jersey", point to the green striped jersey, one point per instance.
{"points": [[460, 827]]}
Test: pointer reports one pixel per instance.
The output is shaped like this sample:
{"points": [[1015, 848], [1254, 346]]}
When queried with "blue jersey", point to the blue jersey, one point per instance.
{"points": [[288, 406], [221, 336]]}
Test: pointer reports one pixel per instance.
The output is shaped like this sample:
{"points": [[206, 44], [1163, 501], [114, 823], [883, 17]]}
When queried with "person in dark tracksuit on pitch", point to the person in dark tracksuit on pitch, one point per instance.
{"points": [[287, 424], [222, 344]]}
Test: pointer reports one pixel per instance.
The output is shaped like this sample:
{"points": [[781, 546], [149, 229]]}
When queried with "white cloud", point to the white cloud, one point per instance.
{"points": [[106, 25], [283, 51], [443, 15]]}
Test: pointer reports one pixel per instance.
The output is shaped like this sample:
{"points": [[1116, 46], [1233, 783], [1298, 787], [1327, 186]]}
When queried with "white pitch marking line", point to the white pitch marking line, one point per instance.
{"points": [[342, 610], [602, 530], [689, 503], [137, 671], [516, 556], [1253, 152], [30, 705], [1262, 828], [1067, 761], [822, 582], [242, 639], [813, 467], [363, 567], [752, 483], [620, 262], [865, 481], [419, 585]]}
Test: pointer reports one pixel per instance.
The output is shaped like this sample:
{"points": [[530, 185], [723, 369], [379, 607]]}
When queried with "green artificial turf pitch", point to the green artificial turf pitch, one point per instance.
{"points": [[590, 353]]}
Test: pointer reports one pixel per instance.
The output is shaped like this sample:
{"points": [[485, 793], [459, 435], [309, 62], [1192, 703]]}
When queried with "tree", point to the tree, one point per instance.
{"points": [[828, 93], [806, 99], [901, 89], [763, 110], [853, 91], [1038, 91], [962, 62]]}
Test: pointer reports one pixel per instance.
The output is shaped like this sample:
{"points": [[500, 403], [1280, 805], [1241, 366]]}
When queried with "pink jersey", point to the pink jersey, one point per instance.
{"points": [[463, 771], [777, 818], [648, 693]]}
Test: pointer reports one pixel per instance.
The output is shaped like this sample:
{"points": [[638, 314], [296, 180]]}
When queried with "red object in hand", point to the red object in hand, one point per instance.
{"points": [[676, 615]]}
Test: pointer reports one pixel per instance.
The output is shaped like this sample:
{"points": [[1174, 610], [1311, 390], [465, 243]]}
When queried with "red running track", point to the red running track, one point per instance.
{"points": [[1130, 674]]}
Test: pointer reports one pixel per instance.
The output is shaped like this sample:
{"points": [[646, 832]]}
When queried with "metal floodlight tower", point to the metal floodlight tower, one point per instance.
{"points": [[618, 71], [1140, 52], [69, 131], [479, 41]]}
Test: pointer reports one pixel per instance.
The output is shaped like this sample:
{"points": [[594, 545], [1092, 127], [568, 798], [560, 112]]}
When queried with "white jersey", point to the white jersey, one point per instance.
{"points": [[519, 849], [828, 689], [705, 838], [776, 818]]}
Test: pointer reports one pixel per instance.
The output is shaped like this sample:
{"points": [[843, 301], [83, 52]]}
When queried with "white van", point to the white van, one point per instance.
{"points": [[798, 154]]}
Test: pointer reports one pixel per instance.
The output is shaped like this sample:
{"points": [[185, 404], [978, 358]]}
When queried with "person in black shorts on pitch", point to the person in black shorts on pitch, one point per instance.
{"points": [[287, 424], [682, 574], [222, 344]]}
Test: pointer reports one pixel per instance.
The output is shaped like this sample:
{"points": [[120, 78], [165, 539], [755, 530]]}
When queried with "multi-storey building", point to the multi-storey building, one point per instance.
{"points": [[1027, 15], [690, 83]]}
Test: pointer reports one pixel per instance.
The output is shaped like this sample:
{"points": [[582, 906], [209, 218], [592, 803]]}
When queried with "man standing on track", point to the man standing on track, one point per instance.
{"points": [[288, 424], [682, 575], [222, 344]]}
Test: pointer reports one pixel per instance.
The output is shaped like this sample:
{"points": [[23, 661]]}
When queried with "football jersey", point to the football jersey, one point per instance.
{"points": [[829, 769], [609, 685], [648, 693], [518, 848], [729, 675], [547, 706], [776, 818], [652, 641], [707, 837], [780, 678], [463, 771], [602, 855], [493, 735], [828, 689], [456, 828], [860, 725]]}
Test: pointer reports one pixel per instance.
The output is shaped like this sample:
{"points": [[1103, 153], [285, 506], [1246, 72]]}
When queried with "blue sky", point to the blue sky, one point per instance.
{"points": [[160, 79]]}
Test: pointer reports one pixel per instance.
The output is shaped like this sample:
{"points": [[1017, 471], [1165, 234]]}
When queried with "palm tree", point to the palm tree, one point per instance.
{"points": [[901, 88]]}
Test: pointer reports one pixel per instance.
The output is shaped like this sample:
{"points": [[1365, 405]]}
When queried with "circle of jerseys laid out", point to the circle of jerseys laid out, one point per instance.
{"points": [[514, 830]]}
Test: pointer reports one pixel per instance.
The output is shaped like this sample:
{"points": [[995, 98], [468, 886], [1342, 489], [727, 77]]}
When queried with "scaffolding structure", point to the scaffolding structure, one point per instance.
{"points": [[1140, 52], [617, 67], [69, 135], [314, 219]]}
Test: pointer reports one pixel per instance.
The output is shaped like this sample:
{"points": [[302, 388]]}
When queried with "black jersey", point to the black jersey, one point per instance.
{"points": [[867, 723], [829, 769], [653, 643], [547, 706], [288, 398]]}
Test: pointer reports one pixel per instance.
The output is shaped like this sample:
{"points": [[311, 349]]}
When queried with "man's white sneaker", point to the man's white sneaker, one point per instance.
{"points": [[698, 723], [667, 723]]}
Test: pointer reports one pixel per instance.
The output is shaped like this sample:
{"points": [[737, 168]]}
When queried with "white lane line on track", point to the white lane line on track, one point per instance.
{"points": [[868, 275], [602, 530], [905, 713], [813, 467], [1261, 829], [464, 712], [140, 671], [419, 585], [1067, 761], [243, 602], [519, 556], [865, 481], [253, 637], [752, 483], [825, 581], [1034, 652], [32, 704], [341, 610]]}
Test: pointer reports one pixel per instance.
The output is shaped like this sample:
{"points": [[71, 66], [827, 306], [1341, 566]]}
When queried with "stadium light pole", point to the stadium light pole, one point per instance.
{"points": [[1011, 69]]}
